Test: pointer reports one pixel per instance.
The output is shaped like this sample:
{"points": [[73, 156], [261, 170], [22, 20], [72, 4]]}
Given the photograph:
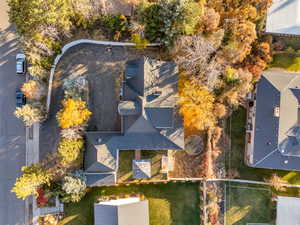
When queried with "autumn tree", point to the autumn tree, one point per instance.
{"points": [[234, 94], [70, 151], [196, 105], [34, 90], [29, 15], [73, 113], [242, 35], [258, 59], [72, 133], [33, 177], [209, 21], [30, 114]]}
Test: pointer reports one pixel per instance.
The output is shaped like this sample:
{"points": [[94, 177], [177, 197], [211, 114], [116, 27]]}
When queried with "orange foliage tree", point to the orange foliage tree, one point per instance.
{"points": [[196, 105]]}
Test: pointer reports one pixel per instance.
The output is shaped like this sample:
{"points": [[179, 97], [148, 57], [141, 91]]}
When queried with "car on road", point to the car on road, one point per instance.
{"points": [[20, 64], [20, 98]]}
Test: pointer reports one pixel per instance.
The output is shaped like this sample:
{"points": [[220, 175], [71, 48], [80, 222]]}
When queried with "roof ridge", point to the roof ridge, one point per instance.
{"points": [[265, 157]]}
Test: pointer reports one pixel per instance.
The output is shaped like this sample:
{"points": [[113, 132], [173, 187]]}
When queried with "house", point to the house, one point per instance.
{"points": [[148, 120], [283, 17], [273, 122], [124, 211], [288, 211]]}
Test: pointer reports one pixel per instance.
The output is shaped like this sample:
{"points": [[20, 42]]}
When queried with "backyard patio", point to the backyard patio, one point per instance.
{"points": [[151, 159]]}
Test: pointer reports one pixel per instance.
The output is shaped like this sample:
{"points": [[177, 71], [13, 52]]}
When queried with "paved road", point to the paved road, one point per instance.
{"points": [[12, 132]]}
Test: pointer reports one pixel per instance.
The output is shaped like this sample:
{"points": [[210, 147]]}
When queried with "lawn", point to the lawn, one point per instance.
{"points": [[169, 204], [248, 204], [287, 61], [125, 164], [235, 158]]}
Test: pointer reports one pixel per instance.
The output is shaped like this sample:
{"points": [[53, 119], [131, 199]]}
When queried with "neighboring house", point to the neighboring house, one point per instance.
{"points": [[125, 211], [148, 120], [284, 17], [273, 123], [288, 211]]}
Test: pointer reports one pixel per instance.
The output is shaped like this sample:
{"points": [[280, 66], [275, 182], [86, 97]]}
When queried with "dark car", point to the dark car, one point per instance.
{"points": [[20, 98]]}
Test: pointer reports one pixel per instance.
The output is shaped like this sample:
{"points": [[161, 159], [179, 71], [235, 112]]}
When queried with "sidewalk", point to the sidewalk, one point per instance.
{"points": [[32, 156]]}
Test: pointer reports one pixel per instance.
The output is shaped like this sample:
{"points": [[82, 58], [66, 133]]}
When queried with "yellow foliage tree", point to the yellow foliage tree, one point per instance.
{"points": [[196, 106], [73, 113]]}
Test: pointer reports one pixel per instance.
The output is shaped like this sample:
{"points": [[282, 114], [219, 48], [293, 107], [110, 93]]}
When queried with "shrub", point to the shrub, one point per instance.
{"points": [[116, 24], [74, 113], [74, 188], [139, 42], [33, 177], [30, 114], [277, 182], [75, 88], [34, 90], [70, 151]]}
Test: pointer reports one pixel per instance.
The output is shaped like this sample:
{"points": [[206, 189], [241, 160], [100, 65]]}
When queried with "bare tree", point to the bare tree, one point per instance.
{"points": [[197, 57]]}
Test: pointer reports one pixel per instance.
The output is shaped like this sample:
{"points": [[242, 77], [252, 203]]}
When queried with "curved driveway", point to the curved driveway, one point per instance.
{"points": [[12, 132]]}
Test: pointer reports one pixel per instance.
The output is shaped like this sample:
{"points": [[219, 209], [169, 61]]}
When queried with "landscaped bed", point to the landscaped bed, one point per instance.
{"points": [[169, 204], [248, 204], [235, 156], [287, 61], [125, 173]]}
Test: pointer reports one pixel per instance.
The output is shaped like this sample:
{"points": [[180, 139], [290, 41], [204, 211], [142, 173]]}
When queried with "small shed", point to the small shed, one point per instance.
{"points": [[124, 211]]}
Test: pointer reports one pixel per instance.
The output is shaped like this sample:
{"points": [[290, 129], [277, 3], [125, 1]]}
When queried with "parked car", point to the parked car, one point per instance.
{"points": [[20, 64], [20, 98]]}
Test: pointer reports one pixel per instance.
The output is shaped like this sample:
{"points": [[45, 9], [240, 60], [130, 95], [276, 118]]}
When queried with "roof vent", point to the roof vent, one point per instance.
{"points": [[286, 161], [276, 111]]}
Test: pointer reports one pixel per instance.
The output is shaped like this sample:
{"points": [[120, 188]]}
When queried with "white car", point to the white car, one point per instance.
{"points": [[20, 64]]}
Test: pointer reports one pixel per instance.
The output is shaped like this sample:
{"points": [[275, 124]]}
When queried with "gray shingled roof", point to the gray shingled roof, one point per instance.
{"points": [[100, 156], [276, 140], [95, 180], [127, 214], [148, 123]]}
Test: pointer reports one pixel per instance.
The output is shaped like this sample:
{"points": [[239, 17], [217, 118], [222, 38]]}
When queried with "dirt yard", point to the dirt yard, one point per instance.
{"points": [[103, 69]]}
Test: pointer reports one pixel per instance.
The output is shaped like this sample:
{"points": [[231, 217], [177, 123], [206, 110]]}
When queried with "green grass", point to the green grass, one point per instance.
{"points": [[247, 204], [287, 61], [169, 204], [235, 157]]}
